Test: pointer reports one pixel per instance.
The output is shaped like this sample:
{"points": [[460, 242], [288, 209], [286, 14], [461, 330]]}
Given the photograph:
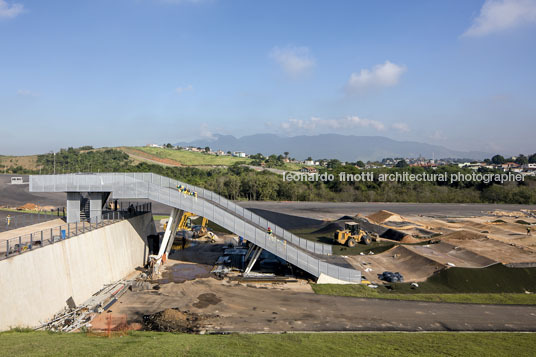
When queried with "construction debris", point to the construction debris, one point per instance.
{"points": [[74, 317]]}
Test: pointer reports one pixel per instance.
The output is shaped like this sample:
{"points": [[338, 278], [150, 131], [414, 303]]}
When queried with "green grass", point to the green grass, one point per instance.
{"points": [[50, 213], [190, 158], [158, 217], [363, 291], [493, 279], [520, 221], [323, 344]]}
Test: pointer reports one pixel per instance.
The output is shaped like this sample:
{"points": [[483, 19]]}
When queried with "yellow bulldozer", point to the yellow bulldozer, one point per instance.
{"points": [[351, 235]]}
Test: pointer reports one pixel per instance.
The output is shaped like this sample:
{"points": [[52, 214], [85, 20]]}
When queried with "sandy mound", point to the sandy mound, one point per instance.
{"points": [[463, 235], [47, 208], [500, 213], [409, 239], [29, 206], [385, 216]]}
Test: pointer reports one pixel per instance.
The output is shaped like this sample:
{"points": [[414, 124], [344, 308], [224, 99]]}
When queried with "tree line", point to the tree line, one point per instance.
{"points": [[238, 182]]}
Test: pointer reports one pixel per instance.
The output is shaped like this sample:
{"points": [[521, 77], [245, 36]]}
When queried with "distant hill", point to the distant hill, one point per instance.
{"points": [[342, 147]]}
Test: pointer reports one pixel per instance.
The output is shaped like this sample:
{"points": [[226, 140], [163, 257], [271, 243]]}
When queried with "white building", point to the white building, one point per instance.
{"points": [[239, 154]]}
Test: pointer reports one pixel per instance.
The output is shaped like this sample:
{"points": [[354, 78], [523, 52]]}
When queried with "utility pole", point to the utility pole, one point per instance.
{"points": [[54, 163]]}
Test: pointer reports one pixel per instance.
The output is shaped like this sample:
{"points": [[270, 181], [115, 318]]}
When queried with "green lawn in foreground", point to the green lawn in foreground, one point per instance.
{"points": [[321, 344], [190, 158], [363, 291]]}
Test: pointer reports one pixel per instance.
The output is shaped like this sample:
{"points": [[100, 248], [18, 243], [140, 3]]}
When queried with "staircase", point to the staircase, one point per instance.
{"points": [[84, 209]]}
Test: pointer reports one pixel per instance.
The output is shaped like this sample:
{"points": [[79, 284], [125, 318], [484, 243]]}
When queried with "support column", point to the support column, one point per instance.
{"points": [[95, 205], [73, 207], [171, 230], [253, 260]]}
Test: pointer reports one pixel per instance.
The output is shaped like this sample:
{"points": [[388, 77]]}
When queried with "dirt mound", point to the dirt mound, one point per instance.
{"points": [[384, 216], [393, 234], [173, 320], [47, 208], [463, 235], [346, 218], [330, 227], [409, 239], [500, 213], [28, 207]]}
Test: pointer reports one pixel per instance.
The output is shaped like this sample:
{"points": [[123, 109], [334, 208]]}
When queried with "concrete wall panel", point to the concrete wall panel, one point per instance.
{"points": [[36, 285]]}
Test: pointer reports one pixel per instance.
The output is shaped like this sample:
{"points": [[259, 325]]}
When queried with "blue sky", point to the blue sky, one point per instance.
{"points": [[131, 72]]}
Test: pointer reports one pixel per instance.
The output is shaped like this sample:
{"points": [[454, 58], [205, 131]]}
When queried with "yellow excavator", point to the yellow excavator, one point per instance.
{"points": [[185, 223], [351, 235]]}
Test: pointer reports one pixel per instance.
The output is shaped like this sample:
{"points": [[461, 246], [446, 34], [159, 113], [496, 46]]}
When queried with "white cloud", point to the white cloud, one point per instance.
{"points": [[499, 15], [402, 127], [295, 61], [205, 132], [181, 90], [10, 11], [26, 92], [344, 123], [438, 135], [382, 75]]}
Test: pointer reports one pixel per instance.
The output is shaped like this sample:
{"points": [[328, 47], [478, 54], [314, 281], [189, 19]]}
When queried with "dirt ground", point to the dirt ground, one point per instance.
{"points": [[218, 306], [412, 266]]}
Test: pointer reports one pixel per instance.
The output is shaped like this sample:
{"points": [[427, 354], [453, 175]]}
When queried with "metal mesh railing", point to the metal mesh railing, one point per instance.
{"points": [[22, 219], [27, 242]]}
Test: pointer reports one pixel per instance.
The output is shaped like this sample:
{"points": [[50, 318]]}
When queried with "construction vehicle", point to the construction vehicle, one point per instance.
{"points": [[351, 235], [198, 231]]}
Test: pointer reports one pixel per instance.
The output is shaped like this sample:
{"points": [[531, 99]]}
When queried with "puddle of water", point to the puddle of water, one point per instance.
{"points": [[181, 244], [206, 299], [179, 273]]}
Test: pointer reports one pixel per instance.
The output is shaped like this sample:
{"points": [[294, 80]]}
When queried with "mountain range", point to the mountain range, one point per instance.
{"points": [[332, 146]]}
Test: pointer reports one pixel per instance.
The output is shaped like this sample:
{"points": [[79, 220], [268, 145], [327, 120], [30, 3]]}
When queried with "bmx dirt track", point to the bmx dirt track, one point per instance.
{"points": [[251, 307]]}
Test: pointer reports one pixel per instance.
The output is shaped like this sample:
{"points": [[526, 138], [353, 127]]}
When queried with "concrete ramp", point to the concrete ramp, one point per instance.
{"points": [[315, 258]]}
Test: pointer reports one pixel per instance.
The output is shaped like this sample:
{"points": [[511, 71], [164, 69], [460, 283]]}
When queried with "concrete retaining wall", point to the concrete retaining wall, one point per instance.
{"points": [[36, 285]]}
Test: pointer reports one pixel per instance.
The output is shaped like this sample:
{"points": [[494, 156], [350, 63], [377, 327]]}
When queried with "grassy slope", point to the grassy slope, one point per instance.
{"points": [[28, 162], [496, 284], [366, 344], [189, 158]]}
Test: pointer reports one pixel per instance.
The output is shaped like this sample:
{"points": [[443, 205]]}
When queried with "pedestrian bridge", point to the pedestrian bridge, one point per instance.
{"points": [[314, 258]]}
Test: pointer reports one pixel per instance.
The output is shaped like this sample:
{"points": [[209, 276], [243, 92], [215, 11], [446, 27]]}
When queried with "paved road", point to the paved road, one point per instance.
{"points": [[332, 210]]}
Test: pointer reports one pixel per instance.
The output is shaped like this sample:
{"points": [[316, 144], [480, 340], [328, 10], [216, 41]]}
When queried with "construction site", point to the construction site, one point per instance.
{"points": [[115, 261]]}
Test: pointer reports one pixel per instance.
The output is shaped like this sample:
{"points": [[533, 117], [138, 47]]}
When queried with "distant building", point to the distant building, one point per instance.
{"points": [[309, 162], [239, 154], [510, 166], [155, 146], [16, 181], [309, 170]]}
